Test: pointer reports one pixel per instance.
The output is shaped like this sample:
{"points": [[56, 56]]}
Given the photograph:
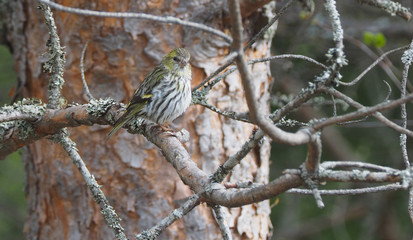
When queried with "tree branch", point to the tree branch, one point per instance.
{"points": [[391, 7], [82, 73], [176, 214], [143, 16], [222, 224], [377, 115], [107, 210], [56, 62]]}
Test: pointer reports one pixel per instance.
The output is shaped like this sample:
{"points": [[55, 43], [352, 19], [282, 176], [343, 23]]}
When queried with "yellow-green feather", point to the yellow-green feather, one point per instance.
{"points": [[126, 117]]}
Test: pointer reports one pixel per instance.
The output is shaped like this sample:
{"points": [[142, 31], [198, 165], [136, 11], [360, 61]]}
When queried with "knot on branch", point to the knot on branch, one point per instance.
{"points": [[99, 107]]}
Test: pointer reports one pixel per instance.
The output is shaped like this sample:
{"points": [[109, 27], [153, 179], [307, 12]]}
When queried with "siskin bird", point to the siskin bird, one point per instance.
{"points": [[164, 94]]}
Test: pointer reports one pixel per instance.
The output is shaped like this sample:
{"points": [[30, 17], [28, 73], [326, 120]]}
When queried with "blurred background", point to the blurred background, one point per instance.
{"points": [[369, 32], [12, 204]]}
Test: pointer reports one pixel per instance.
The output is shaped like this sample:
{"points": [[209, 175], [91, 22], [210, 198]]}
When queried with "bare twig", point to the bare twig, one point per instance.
{"points": [[107, 210], [345, 164], [388, 92], [222, 224], [385, 188], [410, 205], [142, 16], [285, 56], [56, 62], [82, 72], [377, 115], [235, 159], [176, 214], [366, 111], [378, 60], [243, 117]]}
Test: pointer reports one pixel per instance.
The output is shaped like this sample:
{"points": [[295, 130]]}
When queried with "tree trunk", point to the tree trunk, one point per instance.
{"points": [[138, 182]]}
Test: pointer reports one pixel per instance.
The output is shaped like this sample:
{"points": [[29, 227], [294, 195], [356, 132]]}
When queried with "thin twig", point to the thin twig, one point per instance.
{"points": [[142, 16], [243, 117], [228, 61], [222, 224], [176, 214], [347, 164], [390, 187], [366, 111], [377, 115], [410, 205], [378, 60], [82, 73], [388, 92], [285, 56], [269, 24], [223, 170], [107, 210]]}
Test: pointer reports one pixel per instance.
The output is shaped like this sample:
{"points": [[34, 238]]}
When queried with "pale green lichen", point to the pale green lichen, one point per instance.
{"points": [[393, 7], [199, 97], [407, 57], [135, 126], [99, 107], [31, 107]]}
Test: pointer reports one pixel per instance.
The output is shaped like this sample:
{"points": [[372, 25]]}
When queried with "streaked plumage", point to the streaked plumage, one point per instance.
{"points": [[164, 94]]}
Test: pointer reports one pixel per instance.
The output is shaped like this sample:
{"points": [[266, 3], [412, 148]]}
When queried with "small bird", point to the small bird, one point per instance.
{"points": [[164, 94]]}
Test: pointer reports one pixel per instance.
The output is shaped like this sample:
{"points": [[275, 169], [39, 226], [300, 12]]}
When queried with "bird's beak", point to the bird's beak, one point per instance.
{"points": [[183, 63]]}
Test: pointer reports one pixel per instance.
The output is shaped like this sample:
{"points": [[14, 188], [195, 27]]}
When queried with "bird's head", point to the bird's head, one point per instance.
{"points": [[177, 60]]}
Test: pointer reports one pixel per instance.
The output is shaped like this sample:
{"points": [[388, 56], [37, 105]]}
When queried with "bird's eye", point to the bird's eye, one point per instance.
{"points": [[176, 59]]}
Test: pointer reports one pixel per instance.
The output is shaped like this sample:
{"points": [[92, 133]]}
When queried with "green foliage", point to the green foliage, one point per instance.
{"points": [[377, 40]]}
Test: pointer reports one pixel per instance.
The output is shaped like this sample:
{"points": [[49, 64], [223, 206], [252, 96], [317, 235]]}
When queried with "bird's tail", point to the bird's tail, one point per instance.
{"points": [[119, 123]]}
